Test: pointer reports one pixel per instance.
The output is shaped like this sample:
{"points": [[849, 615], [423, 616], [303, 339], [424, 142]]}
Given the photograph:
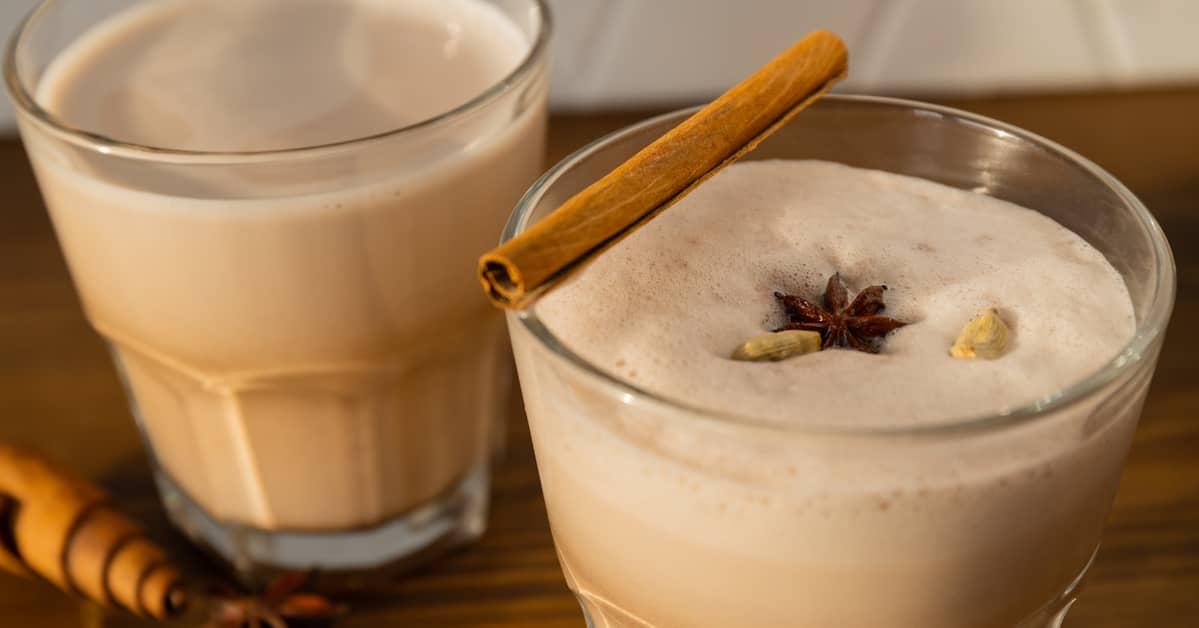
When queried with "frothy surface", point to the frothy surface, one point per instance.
{"points": [[238, 75], [666, 307]]}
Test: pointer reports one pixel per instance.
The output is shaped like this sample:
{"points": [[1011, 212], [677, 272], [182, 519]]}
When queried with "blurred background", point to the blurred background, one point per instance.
{"points": [[638, 54], [642, 52]]}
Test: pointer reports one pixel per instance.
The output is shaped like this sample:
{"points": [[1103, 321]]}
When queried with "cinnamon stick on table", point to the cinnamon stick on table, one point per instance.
{"points": [[66, 530], [663, 172]]}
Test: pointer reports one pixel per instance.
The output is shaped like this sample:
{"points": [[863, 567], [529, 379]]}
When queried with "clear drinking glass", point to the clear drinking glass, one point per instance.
{"points": [[316, 376], [668, 514]]}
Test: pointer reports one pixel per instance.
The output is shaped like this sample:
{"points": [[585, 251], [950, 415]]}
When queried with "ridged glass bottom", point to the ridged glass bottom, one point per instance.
{"points": [[457, 517]]}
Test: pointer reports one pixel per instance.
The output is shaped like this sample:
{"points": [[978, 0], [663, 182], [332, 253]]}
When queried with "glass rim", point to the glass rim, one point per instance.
{"points": [[1148, 330], [27, 104]]}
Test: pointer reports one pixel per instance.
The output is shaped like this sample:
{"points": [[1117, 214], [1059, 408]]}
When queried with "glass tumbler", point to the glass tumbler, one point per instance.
{"points": [[668, 514], [317, 379]]}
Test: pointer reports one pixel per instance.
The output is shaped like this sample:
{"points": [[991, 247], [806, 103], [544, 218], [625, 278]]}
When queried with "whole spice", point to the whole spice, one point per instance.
{"points": [[61, 527], [985, 336], [669, 168], [778, 345], [839, 322], [281, 605]]}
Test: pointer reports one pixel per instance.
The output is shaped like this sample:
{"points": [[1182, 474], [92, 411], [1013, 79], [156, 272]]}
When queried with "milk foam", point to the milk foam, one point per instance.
{"points": [[662, 518], [251, 75], [666, 307]]}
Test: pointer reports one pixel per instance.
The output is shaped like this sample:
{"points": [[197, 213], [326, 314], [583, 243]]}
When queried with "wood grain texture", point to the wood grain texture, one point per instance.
{"points": [[58, 391]]}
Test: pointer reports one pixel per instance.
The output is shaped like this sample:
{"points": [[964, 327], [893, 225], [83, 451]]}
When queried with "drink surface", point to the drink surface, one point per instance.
{"points": [[666, 307], [253, 75], [664, 518], [304, 341]]}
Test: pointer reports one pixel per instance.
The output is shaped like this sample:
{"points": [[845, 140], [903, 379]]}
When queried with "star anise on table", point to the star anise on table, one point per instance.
{"points": [[281, 605], [841, 323]]}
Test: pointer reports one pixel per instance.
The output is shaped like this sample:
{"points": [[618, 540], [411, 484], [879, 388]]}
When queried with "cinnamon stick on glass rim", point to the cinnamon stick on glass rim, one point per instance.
{"points": [[514, 273]]}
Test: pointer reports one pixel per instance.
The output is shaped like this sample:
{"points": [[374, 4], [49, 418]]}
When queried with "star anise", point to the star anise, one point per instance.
{"points": [[840, 322], [281, 605]]}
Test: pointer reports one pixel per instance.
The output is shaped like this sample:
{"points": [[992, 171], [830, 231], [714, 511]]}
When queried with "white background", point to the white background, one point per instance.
{"points": [[629, 53]]}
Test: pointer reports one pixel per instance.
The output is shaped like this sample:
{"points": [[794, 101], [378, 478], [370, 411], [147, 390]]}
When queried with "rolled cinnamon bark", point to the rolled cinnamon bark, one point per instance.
{"points": [[66, 530], [514, 273], [8, 557]]}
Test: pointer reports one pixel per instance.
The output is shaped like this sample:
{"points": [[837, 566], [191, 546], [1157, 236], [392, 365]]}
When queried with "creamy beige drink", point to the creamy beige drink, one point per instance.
{"points": [[301, 331], [802, 492]]}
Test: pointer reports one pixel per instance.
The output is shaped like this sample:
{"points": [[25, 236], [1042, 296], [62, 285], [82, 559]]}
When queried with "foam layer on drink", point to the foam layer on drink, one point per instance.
{"points": [[251, 75], [663, 518], [303, 336], [665, 308]]}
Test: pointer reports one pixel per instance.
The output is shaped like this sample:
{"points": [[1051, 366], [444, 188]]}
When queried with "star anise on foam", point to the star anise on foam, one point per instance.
{"points": [[840, 322], [281, 605]]}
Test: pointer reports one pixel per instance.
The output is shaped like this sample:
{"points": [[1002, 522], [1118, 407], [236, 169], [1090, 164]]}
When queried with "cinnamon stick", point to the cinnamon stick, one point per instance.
{"points": [[663, 172], [67, 531]]}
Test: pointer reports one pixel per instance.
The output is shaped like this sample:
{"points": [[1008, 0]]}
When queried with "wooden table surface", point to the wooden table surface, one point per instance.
{"points": [[58, 392]]}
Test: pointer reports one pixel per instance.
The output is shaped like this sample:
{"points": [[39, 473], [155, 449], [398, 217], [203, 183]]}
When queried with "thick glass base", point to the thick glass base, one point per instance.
{"points": [[602, 613], [457, 517]]}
